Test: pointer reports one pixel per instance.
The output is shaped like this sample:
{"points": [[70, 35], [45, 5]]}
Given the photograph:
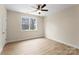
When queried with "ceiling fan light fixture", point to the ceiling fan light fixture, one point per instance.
{"points": [[39, 11]]}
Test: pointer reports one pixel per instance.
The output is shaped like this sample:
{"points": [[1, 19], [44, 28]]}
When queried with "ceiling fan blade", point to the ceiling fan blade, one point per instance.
{"points": [[43, 5], [38, 6], [44, 10]]}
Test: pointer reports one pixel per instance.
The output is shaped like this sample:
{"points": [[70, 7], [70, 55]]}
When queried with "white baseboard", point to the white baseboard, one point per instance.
{"points": [[66, 43], [23, 39]]}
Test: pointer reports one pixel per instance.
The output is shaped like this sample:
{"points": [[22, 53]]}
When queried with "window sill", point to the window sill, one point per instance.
{"points": [[28, 30]]}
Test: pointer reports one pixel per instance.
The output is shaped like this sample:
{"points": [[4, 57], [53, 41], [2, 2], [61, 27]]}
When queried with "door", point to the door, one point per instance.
{"points": [[1, 36], [2, 27]]}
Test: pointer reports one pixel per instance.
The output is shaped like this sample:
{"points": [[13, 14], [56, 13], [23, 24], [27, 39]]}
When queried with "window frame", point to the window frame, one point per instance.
{"points": [[29, 23]]}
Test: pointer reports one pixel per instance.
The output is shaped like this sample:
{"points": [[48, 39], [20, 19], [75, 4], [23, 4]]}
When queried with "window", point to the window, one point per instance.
{"points": [[28, 23]]}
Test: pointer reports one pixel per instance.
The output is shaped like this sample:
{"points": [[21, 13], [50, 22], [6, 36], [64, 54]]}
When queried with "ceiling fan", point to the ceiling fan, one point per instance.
{"points": [[40, 7]]}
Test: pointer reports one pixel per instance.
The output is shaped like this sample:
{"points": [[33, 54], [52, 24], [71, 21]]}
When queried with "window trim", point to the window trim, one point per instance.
{"points": [[29, 24]]}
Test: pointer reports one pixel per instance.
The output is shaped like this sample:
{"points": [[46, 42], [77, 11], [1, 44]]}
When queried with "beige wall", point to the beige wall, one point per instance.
{"points": [[14, 28], [2, 27], [63, 26]]}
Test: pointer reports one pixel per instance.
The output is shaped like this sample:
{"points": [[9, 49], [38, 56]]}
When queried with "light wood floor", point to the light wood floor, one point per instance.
{"points": [[40, 46]]}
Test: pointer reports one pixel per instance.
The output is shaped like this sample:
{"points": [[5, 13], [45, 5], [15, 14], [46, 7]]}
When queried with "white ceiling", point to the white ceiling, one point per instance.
{"points": [[27, 8]]}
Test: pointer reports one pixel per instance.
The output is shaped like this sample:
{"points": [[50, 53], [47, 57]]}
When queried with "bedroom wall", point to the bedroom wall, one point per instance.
{"points": [[14, 29], [63, 26]]}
